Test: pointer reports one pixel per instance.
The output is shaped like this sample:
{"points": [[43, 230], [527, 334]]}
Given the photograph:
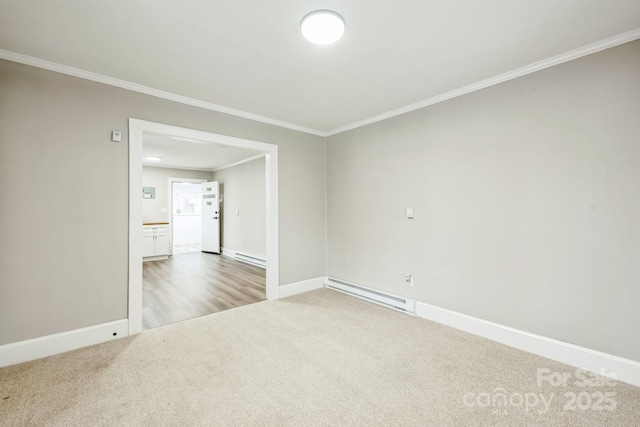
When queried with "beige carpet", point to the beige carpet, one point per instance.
{"points": [[316, 359]]}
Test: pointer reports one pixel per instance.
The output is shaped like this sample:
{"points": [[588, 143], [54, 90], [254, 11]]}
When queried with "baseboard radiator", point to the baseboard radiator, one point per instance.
{"points": [[258, 262], [388, 300]]}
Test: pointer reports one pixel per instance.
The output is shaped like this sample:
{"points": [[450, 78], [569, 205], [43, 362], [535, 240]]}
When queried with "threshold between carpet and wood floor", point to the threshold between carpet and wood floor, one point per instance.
{"points": [[319, 358]]}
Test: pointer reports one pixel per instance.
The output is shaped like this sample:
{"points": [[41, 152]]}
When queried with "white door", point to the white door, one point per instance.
{"points": [[210, 218]]}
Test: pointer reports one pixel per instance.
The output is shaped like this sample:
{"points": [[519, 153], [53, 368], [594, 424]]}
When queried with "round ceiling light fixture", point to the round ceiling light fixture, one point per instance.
{"points": [[152, 158], [322, 27]]}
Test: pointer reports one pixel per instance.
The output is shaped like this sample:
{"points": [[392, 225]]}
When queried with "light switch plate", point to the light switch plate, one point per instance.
{"points": [[116, 136], [410, 213]]}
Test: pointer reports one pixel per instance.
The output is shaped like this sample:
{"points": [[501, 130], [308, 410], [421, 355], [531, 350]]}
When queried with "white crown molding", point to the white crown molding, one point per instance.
{"points": [[171, 166], [134, 87], [501, 78], [250, 159]]}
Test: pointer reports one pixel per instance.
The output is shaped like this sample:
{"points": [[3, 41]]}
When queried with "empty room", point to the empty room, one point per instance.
{"points": [[320, 213], [204, 227]]}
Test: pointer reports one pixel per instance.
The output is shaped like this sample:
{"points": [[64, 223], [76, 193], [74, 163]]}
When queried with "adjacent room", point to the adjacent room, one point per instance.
{"points": [[204, 222], [303, 213]]}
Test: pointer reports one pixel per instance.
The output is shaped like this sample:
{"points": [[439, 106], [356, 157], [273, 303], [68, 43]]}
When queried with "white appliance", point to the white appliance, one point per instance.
{"points": [[210, 217]]}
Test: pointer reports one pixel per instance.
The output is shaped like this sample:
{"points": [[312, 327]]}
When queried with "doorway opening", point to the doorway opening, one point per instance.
{"points": [[185, 201], [137, 131]]}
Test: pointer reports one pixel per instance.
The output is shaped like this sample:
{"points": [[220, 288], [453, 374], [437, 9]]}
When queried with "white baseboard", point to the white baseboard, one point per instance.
{"points": [[36, 348], [625, 370], [300, 287], [155, 258], [246, 258], [229, 252]]}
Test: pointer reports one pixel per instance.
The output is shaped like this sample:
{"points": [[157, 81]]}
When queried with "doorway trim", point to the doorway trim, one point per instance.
{"points": [[137, 129]]}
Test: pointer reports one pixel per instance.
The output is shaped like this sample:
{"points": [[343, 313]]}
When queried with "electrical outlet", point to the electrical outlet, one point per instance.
{"points": [[408, 279]]}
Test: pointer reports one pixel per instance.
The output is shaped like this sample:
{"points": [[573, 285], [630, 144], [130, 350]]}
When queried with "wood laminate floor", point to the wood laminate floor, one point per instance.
{"points": [[196, 284], [186, 248]]}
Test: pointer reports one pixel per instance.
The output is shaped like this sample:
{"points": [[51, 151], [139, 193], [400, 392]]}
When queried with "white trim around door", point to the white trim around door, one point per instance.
{"points": [[137, 129]]}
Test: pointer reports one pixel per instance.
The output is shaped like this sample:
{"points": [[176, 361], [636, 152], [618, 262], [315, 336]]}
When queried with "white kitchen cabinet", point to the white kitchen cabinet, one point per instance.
{"points": [[155, 238], [148, 245]]}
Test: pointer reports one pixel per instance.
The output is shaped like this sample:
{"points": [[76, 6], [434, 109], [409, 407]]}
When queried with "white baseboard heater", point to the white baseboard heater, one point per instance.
{"points": [[388, 300], [258, 262]]}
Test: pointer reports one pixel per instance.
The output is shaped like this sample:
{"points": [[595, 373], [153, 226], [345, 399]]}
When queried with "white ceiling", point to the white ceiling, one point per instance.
{"points": [[191, 154], [250, 56]]}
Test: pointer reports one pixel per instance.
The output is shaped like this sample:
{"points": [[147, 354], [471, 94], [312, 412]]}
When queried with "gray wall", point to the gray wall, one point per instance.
{"points": [[243, 188], [525, 196], [527, 207], [64, 184], [157, 177]]}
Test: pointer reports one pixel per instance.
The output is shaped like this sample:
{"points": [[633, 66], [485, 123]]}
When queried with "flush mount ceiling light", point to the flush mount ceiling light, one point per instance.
{"points": [[152, 158], [322, 27]]}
